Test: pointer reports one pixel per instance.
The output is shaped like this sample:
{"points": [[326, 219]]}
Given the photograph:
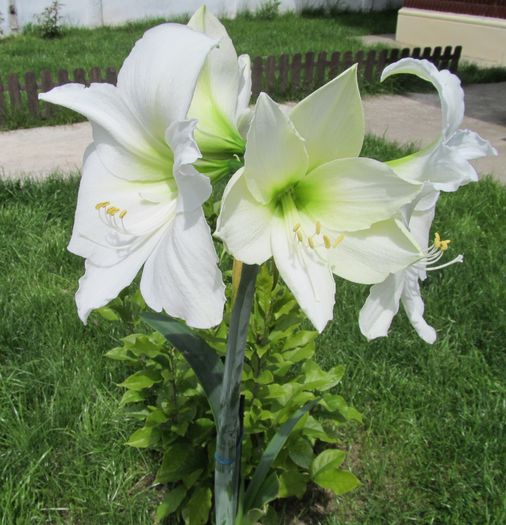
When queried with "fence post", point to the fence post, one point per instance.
{"points": [[14, 91], [454, 64], [31, 90], [369, 65], [80, 76], [256, 76], [335, 64], [47, 85], [308, 70], [296, 67], [111, 76], [270, 70], [321, 67], [283, 73]]}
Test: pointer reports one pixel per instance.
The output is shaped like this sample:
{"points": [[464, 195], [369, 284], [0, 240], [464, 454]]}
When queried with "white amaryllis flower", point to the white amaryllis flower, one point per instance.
{"points": [[444, 163], [223, 91], [442, 166], [383, 301], [140, 199], [306, 199]]}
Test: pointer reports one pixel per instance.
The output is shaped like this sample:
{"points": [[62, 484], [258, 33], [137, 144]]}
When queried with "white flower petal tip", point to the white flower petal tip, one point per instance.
{"points": [[331, 120], [447, 84]]}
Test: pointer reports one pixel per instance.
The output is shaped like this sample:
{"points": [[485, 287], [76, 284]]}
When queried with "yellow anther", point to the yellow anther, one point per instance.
{"points": [[318, 228], [102, 204], [439, 244], [122, 214], [310, 242], [338, 241], [327, 242], [112, 210], [296, 228], [299, 235]]}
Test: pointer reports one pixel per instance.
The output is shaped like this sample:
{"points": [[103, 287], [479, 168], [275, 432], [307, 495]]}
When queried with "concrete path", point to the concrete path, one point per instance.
{"points": [[37, 152]]}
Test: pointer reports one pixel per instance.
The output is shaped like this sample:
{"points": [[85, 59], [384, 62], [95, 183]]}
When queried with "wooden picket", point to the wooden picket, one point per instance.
{"points": [[283, 75]]}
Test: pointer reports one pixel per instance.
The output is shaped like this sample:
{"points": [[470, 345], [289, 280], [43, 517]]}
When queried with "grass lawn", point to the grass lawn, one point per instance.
{"points": [[433, 445]]}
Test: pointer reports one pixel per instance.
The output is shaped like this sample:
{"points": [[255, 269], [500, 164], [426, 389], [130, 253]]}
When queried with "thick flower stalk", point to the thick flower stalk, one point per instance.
{"points": [[441, 166], [140, 198], [305, 198]]}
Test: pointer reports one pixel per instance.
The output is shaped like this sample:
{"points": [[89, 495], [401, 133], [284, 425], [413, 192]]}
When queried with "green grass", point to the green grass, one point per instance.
{"points": [[431, 450]]}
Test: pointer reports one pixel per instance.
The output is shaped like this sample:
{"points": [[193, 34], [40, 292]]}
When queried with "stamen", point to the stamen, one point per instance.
{"points": [[318, 228], [296, 228], [122, 214], [458, 259], [327, 242], [112, 210], [310, 242], [338, 241], [299, 235], [102, 204], [439, 244]]}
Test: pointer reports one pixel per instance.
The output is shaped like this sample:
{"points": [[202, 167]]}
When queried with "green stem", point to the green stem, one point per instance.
{"points": [[228, 441]]}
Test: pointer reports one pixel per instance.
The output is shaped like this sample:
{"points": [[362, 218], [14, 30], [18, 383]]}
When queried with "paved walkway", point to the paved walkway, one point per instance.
{"points": [[37, 152]]}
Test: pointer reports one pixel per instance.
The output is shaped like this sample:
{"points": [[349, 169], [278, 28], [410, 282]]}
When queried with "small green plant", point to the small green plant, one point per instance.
{"points": [[49, 21], [280, 376], [268, 10]]}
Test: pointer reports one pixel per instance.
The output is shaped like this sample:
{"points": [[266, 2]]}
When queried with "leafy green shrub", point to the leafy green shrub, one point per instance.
{"points": [[280, 377], [49, 21]]}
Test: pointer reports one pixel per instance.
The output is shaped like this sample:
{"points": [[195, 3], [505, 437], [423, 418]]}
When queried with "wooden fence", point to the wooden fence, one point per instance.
{"points": [[277, 75], [491, 8]]}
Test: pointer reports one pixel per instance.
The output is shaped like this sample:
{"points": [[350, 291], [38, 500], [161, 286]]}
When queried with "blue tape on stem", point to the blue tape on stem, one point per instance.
{"points": [[223, 461]]}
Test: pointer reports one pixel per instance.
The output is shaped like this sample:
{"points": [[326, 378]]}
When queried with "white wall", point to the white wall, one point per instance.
{"points": [[98, 12]]}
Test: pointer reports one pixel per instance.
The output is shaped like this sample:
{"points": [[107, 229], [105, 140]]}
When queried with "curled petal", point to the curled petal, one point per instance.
{"points": [[414, 307], [448, 86]]}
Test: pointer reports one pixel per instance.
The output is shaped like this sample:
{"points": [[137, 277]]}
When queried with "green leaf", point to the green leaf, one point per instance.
{"points": [[253, 496], [338, 481], [196, 511], [144, 437], [301, 452], [318, 379], [300, 354], [156, 417], [108, 313], [142, 379], [132, 396], [335, 403], [292, 483], [143, 345], [301, 338], [121, 354], [329, 459], [265, 378], [170, 503], [206, 364], [179, 460]]}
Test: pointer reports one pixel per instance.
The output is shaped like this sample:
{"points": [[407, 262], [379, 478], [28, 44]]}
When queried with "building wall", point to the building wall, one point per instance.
{"points": [[93, 13]]}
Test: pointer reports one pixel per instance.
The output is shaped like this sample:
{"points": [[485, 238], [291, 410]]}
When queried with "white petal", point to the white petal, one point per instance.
{"points": [[381, 306], [103, 105], [99, 285], [413, 304], [158, 78], [106, 239], [448, 86], [275, 154], [244, 95], [351, 194], [193, 187], [244, 225], [369, 256], [470, 145], [182, 276], [331, 120], [306, 275]]}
